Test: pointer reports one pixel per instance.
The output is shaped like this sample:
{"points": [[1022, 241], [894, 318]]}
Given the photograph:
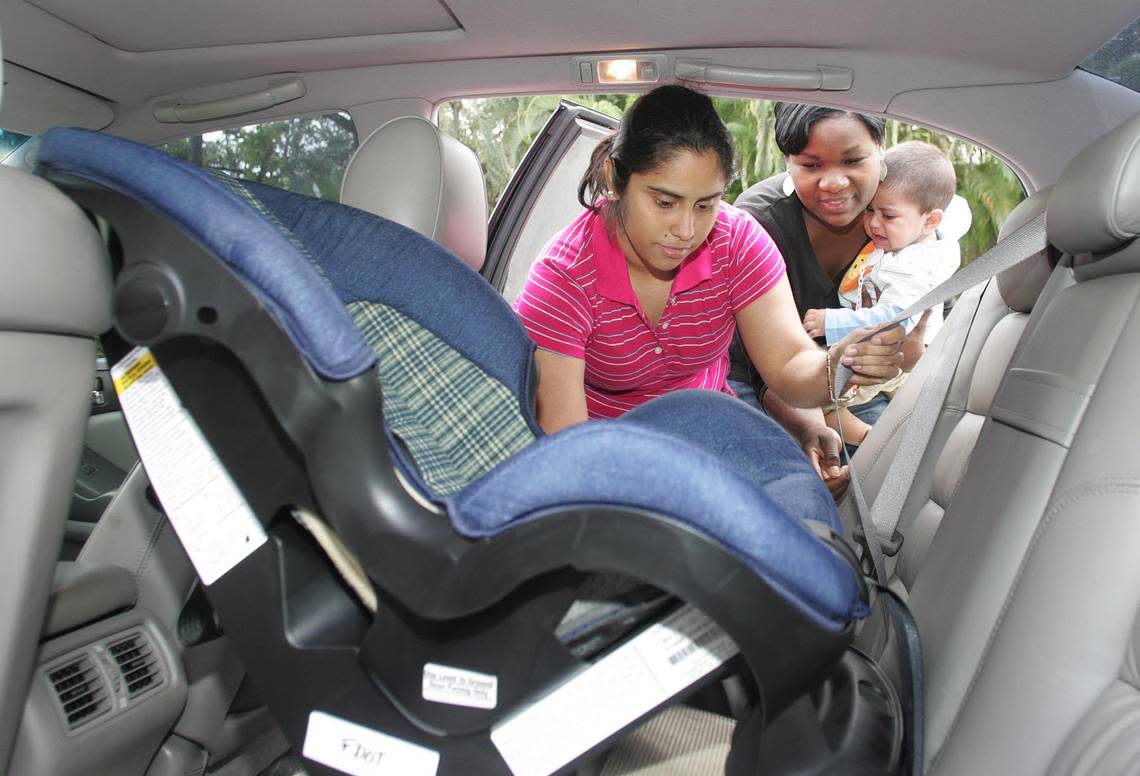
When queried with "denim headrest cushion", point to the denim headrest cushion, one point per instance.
{"points": [[369, 258], [229, 227], [628, 465]]}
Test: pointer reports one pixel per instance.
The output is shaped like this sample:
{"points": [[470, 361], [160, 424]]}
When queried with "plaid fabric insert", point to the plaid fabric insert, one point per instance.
{"points": [[457, 421]]}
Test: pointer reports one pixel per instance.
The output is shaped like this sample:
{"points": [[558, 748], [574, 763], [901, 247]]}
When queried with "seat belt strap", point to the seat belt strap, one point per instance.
{"points": [[879, 523]]}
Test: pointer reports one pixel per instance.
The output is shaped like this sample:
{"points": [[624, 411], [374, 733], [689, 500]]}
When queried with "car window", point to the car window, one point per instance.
{"points": [[500, 130], [1119, 59], [307, 155], [9, 142]]}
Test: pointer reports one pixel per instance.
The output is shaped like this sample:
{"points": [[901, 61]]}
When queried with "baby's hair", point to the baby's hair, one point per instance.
{"points": [[921, 173]]}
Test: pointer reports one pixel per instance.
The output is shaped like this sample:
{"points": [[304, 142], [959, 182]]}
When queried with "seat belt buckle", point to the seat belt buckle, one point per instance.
{"points": [[890, 547]]}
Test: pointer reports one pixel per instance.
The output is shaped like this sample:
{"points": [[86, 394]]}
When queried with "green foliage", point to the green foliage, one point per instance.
{"points": [[500, 131], [309, 154], [306, 155]]}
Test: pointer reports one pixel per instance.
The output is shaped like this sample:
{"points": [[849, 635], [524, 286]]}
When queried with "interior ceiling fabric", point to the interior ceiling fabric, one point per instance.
{"points": [[161, 25]]}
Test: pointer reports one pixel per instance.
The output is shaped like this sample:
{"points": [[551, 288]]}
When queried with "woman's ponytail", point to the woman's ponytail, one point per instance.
{"points": [[593, 184]]}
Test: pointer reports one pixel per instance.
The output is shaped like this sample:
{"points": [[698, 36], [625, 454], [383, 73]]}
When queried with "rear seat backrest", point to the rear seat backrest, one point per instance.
{"points": [[995, 328], [1027, 601], [54, 299], [409, 172]]}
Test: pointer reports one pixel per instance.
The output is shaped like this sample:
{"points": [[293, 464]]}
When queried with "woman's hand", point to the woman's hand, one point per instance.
{"points": [[821, 444], [874, 361]]}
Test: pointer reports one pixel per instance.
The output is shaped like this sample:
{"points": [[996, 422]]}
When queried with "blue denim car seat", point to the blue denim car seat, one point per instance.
{"points": [[342, 363]]}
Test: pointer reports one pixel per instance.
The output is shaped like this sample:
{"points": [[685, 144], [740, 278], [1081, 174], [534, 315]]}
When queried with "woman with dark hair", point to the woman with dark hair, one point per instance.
{"points": [[640, 295], [814, 214]]}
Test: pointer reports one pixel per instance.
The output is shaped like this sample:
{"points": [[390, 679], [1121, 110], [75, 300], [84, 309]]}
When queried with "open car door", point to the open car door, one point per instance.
{"points": [[542, 196]]}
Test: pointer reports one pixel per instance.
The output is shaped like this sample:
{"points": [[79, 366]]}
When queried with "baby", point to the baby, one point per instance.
{"points": [[910, 258]]}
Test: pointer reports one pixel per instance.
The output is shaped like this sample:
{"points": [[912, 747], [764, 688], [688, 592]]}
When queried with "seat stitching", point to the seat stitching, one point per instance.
{"points": [[145, 553], [890, 436], [1099, 487], [965, 468], [155, 535]]}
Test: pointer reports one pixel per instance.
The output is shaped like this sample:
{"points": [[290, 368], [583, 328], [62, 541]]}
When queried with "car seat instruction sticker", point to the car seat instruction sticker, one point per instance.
{"points": [[361, 751], [613, 692], [209, 514], [460, 687]]}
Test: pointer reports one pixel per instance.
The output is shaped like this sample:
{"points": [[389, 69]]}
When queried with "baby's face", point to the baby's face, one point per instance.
{"points": [[894, 222]]}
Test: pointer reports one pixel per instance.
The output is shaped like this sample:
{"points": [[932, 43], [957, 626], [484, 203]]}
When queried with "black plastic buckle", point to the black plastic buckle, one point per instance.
{"points": [[890, 548]]}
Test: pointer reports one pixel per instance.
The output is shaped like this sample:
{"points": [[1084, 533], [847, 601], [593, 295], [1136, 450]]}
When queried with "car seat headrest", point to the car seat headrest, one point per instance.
{"points": [[56, 276], [1021, 284], [1095, 205], [409, 172]]}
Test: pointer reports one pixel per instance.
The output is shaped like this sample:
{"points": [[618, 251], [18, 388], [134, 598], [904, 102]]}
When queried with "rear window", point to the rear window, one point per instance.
{"points": [[500, 130], [9, 142], [306, 155], [1119, 59]]}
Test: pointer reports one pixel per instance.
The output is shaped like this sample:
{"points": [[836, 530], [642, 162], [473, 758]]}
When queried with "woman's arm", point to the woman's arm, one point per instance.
{"points": [[561, 390], [793, 366]]}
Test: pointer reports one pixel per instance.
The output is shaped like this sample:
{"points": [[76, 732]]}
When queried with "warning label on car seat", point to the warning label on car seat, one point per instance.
{"points": [[613, 692], [459, 687], [209, 514]]}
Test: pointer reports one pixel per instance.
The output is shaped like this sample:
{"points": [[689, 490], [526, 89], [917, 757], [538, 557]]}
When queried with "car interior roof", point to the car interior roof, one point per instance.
{"points": [[171, 45], [928, 62]]}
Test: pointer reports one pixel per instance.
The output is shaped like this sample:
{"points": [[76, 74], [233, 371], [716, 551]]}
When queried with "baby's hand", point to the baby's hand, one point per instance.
{"points": [[815, 322]]}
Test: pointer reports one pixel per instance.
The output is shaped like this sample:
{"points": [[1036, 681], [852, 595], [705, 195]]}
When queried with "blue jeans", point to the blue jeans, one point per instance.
{"points": [[745, 393], [869, 413]]}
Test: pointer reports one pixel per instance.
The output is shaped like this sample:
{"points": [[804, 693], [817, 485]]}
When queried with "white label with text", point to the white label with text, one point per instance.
{"points": [[613, 692], [460, 687], [209, 514], [361, 751]]}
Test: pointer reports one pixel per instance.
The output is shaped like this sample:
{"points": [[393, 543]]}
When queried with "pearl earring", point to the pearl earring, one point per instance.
{"points": [[610, 195]]}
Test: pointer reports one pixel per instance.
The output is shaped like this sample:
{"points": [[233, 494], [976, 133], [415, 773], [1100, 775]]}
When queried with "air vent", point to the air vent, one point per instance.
{"points": [[137, 663], [80, 689]]}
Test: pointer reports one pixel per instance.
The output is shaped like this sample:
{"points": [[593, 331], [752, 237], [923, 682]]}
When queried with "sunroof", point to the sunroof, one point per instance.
{"points": [[1119, 59]]}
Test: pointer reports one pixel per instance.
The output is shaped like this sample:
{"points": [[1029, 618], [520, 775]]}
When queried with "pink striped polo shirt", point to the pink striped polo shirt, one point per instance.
{"points": [[578, 302]]}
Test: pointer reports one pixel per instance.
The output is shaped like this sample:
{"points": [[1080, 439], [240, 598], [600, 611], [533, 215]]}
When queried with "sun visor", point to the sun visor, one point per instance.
{"points": [[34, 103]]}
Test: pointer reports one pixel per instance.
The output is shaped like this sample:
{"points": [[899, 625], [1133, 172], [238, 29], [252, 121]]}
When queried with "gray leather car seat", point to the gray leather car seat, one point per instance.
{"points": [[410, 172], [996, 314], [54, 300], [1027, 601]]}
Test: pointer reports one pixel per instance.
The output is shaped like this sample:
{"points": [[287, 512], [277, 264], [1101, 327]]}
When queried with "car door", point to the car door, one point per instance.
{"points": [[542, 195]]}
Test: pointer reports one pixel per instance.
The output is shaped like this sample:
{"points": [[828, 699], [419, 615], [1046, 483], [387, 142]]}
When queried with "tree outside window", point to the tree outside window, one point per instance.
{"points": [[500, 130]]}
